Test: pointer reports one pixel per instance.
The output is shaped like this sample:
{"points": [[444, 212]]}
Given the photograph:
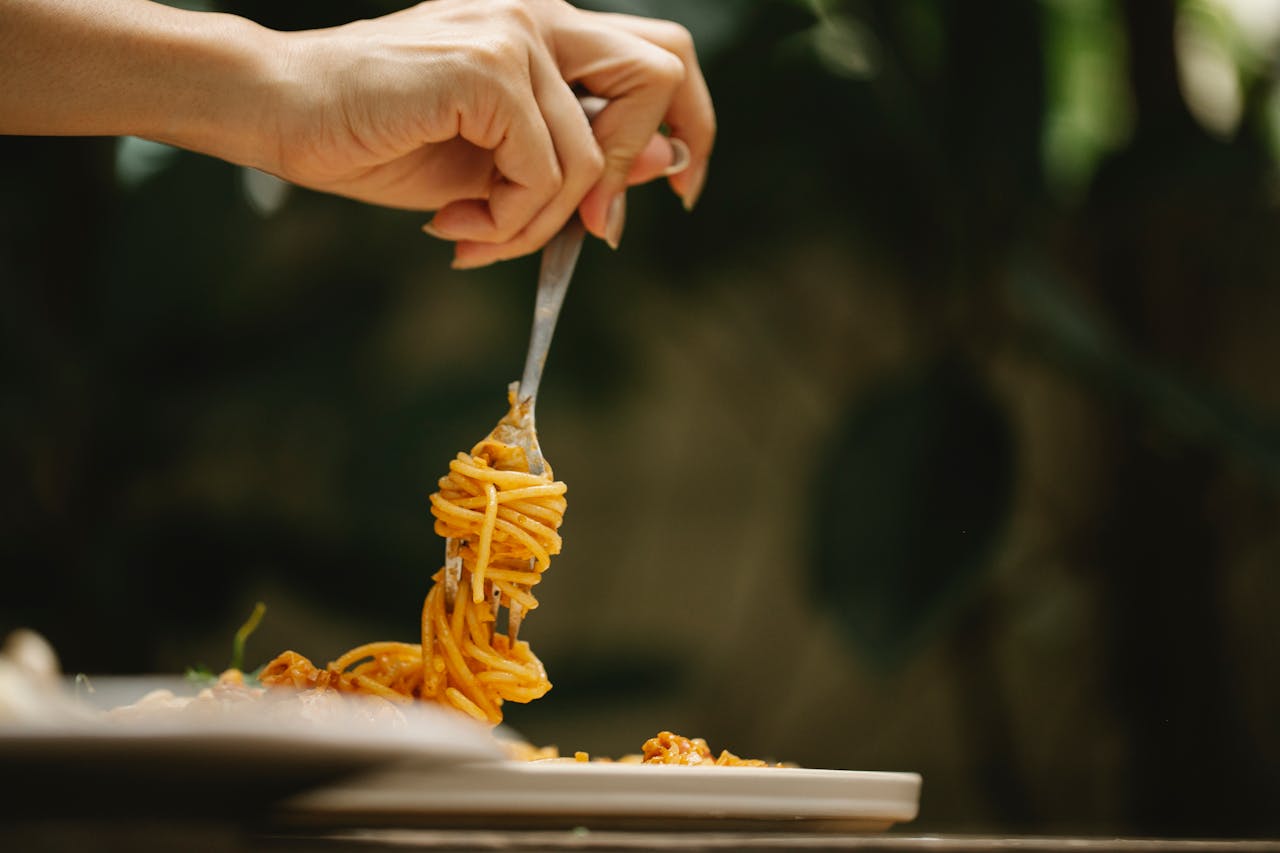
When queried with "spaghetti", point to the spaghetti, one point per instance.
{"points": [[501, 522]]}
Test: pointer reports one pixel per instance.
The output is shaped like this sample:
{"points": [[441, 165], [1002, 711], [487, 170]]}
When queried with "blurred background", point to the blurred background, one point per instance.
{"points": [[944, 436]]}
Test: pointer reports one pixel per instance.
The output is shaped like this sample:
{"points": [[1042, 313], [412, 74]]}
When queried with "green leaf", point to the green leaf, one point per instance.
{"points": [[200, 675], [909, 505]]}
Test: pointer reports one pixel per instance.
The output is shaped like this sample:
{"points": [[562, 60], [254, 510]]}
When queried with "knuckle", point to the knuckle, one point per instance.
{"points": [[540, 9], [539, 190], [592, 164], [552, 179], [678, 38], [619, 160], [493, 56], [666, 69], [517, 12], [512, 53]]}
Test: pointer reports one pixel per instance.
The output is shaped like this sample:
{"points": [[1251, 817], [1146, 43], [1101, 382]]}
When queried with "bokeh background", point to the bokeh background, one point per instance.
{"points": [[944, 435]]}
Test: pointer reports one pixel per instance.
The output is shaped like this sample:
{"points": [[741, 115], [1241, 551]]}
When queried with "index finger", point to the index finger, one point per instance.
{"points": [[691, 115]]}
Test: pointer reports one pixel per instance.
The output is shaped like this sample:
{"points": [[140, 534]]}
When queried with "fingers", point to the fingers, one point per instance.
{"points": [[691, 115], [638, 79], [645, 88], [548, 160], [580, 162], [661, 157], [524, 154]]}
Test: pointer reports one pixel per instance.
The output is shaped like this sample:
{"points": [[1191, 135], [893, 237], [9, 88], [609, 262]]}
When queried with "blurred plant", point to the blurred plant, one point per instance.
{"points": [[1058, 327], [192, 396], [1088, 110], [1227, 51]]}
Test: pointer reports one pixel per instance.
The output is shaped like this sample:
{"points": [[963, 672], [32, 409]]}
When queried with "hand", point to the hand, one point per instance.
{"points": [[462, 106]]}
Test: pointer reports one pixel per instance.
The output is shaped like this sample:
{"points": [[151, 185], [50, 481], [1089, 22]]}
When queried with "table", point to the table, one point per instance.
{"points": [[51, 834]]}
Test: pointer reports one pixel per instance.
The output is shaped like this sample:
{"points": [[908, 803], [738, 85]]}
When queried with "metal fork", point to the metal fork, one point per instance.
{"points": [[559, 257]]}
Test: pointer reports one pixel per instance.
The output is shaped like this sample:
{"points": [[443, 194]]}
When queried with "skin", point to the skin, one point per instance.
{"points": [[464, 107]]}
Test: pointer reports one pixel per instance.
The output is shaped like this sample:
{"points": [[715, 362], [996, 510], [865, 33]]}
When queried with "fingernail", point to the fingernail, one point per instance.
{"points": [[615, 220], [467, 263], [430, 229], [696, 180], [680, 157]]}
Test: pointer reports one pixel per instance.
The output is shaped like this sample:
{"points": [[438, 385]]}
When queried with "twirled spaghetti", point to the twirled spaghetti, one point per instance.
{"points": [[502, 523]]}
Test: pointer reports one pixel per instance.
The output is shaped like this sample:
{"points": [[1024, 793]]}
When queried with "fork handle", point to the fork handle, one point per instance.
{"points": [[559, 257]]}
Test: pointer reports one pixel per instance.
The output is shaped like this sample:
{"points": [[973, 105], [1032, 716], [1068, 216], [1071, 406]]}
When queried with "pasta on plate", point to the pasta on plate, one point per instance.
{"points": [[663, 748], [504, 523]]}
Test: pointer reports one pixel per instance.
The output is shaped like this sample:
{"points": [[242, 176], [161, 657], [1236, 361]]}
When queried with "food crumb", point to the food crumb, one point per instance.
{"points": [[581, 756]]}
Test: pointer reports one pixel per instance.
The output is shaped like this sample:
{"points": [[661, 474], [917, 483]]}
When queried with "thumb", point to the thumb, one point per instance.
{"points": [[604, 210]]}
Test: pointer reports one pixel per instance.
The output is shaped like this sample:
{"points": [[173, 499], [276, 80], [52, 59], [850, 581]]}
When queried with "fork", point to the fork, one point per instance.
{"points": [[559, 257]]}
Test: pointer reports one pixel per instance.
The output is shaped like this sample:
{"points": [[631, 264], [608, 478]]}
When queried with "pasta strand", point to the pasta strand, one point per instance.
{"points": [[506, 522]]}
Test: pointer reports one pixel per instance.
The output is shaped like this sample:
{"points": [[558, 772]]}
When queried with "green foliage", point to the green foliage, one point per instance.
{"points": [[1088, 110]]}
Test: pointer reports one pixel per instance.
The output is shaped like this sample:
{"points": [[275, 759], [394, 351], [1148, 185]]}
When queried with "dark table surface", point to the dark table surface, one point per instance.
{"points": [[140, 836]]}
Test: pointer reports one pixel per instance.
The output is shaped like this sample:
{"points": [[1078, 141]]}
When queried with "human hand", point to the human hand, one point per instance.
{"points": [[462, 106]]}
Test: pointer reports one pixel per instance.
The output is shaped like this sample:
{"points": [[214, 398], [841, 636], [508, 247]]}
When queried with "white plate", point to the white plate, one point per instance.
{"points": [[569, 793], [237, 758]]}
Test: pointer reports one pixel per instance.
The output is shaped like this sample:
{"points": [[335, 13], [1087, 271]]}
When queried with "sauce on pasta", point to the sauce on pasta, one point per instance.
{"points": [[663, 748], [502, 522]]}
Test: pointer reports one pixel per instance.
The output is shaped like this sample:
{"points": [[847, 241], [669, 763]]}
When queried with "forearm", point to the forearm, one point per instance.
{"points": [[132, 67]]}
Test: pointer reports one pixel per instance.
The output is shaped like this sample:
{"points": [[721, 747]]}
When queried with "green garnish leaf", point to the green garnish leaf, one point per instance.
{"points": [[200, 674], [250, 625]]}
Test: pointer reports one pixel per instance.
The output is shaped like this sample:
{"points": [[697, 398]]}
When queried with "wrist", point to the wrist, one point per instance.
{"points": [[223, 76]]}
